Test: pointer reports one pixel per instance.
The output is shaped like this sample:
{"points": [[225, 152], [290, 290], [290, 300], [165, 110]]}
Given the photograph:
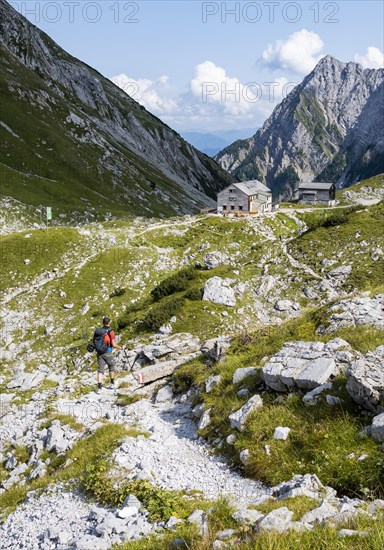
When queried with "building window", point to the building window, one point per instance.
{"points": [[240, 207], [232, 207], [231, 190]]}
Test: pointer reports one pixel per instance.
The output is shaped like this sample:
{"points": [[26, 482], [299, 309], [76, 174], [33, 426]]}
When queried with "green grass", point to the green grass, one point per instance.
{"points": [[124, 399], [321, 439], [362, 338], [44, 249]]}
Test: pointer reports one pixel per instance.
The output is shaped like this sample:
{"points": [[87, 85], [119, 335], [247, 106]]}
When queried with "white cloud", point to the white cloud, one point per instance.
{"points": [[213, 99], [299, 53], [372, 59], [211, 84], [155, 95]]}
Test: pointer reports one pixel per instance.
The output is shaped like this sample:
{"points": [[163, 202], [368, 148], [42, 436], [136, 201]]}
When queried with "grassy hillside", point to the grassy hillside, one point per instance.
{"points": [[369, 189], [116, 268]]}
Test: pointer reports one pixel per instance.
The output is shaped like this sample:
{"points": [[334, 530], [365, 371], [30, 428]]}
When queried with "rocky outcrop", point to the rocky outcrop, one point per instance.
{"points": [[308, 485], [215, 349], [306, 365], [365, 380], [59, 438], [327, 128], [219, 291], [354, 312]]}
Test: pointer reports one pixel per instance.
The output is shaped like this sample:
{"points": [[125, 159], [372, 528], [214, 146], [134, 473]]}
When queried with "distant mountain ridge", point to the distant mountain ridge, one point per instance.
{"points": [[73, 139], [212, 143], [329, 128]]}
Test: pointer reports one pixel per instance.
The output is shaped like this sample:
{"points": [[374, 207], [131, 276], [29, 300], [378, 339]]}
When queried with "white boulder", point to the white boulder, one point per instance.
{"points": [[239, 418], [219, 291]]}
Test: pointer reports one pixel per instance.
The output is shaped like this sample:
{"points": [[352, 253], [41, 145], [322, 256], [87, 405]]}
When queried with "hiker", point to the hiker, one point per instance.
{"points": [[104, 340]]}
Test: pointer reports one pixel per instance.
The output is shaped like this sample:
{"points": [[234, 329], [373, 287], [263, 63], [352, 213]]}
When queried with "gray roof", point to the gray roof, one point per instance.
{"points": [[252, 187], [315, 185]]}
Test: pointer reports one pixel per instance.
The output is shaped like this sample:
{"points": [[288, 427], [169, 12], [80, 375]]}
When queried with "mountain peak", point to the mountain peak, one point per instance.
{"points": [[328, 128]]}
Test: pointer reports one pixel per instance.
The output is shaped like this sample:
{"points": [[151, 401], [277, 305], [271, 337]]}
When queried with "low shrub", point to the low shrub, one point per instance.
{"points": [[194, 294], [327, 218], [175, 283], [118, 292], [161, 313]]}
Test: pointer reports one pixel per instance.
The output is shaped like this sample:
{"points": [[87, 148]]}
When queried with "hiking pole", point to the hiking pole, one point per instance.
{"points": [[134, 361]]}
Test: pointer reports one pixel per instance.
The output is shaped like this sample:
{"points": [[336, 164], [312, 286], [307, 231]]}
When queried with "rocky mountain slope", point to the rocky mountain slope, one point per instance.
{"points": [[248, 409], [73, 140], [327, 129]]}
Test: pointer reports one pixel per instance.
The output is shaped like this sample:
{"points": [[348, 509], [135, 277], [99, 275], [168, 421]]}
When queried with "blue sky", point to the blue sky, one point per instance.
{"points": [[210, 65]]}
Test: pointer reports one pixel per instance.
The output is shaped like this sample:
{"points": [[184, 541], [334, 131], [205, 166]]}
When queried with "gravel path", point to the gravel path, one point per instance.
{"points": [[177, 458], [173, 456]]}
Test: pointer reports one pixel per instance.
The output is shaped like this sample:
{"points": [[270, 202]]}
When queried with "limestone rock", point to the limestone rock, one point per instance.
{"points": [[249, 516], [339, 275], [377, 428], [215, 348], [352, 533], [242, 373], [366, 380], [320, 514], [283, 305], [278, 520], [355, 312], [304, 365], [205, 420], [27, 381], [307, 485], [238, 418], [58, 439], [164, 394], [267, 284], [89, 542], [281, 433], [132, 501], [245, 456], [215, 259], [127, 511], [199, 518], [225, 534], [212, 382], [311, 397], [219, 291]]}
